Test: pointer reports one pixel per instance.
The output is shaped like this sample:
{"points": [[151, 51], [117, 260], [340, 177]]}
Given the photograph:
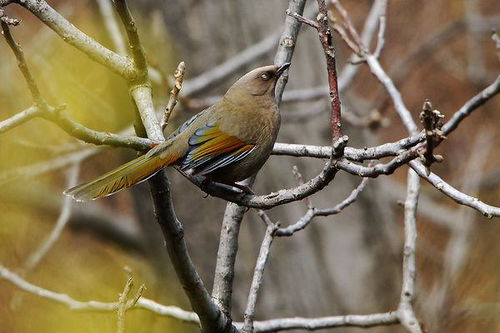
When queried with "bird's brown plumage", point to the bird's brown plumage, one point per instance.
{"points": [[227, 142]]}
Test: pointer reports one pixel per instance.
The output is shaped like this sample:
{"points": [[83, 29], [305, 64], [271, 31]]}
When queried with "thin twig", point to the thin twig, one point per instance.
{"points": [[326, 39], [122, 305], [381, 37], [174, 93], [312, 212], [23, 66], [459, 197], [303, 19]]}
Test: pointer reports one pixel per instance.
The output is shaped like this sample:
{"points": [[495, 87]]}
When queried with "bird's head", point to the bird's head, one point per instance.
{"points": [[259, 82]]}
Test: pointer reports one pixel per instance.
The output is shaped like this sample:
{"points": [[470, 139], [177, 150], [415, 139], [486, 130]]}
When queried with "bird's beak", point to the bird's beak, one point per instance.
{"points": [[282, 68]]}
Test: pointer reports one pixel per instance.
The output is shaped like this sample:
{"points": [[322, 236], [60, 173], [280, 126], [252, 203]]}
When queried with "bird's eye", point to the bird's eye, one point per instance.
{"points": [[265, 76]]}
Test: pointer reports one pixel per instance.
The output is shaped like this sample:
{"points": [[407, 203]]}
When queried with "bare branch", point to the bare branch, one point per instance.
{"points": [[326, 39], [230, 66], [142, 303], [312, 212], [265, 249], [496, 40], [459, 197], [226, 256], [19, 118], [406, 313], [176, 88], [311, 324], [391, 89], [62, 220], [485, 95], [21, 63], [8, 20], [122, 305], [287, 42], [228, 244], [140, 63], [282, 196], [381, 38], [106, 9], [75, 37], [349, 26], [303, 19]]}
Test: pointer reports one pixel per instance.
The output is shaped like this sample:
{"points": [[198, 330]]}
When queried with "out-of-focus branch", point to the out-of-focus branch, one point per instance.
{"points": [[108, 16], [471, 105], [222, 71], [42, 109], [142, 303], [61, 223], [23, 67], [496, 40], [75, 37]]}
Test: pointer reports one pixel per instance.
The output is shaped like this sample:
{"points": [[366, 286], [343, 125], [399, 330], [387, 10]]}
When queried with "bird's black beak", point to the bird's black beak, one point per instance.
{"points": [[281, 69]]}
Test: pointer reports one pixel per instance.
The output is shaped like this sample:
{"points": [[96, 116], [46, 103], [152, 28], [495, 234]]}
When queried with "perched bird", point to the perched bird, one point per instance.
{"points": [[227, 142]]}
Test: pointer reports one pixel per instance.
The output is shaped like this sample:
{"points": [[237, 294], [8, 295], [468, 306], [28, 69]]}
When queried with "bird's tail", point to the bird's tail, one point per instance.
{"points": [[120, 178]]}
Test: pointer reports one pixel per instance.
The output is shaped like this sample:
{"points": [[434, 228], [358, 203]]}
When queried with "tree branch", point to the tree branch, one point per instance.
{"points": [[326, 39], [265, 249], [142, 303], [312, 324], [75, 37], [406, 313], [453, 193], [228, 243]]}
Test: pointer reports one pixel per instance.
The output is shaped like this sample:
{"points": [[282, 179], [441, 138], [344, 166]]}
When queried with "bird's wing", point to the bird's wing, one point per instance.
{"points": [[210, 149]]}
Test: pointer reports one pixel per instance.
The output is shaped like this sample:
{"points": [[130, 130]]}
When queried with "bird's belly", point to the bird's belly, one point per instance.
{"points": [[242, 169]]}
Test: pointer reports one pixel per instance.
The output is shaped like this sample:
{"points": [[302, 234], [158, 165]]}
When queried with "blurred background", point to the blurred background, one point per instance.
{"points": [[349, 263]]}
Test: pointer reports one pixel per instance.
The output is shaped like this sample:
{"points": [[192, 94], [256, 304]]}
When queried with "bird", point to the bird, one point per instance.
{"points": [[225, 143]]}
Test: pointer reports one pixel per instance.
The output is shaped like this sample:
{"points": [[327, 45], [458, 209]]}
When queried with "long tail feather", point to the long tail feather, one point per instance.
{"points": [[124, 176]]}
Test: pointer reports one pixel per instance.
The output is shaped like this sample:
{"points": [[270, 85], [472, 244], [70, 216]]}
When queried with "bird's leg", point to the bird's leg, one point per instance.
{"points": [[245, 188]]}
